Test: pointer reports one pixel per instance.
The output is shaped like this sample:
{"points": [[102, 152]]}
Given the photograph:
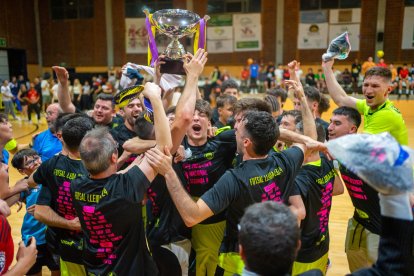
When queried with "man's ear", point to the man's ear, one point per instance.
{"points": [[354, 129], [389, 89], [114, 157]]}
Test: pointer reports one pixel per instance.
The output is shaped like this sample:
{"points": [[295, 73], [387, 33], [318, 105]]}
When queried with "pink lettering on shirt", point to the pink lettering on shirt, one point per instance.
{"points": [[271, 193], [323, 213], [100, 234]]}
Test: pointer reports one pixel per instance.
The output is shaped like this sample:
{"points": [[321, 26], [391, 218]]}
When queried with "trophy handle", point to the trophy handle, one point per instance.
{"points": [[206, 17], [147, 13]]}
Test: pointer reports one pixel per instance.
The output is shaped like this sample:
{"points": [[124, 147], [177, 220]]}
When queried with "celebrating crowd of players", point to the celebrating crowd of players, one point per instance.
{"points": [[142, 193]]}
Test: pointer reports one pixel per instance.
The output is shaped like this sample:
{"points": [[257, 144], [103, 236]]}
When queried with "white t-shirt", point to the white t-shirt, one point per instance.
{"points": [[45, 88], [6, 93]]}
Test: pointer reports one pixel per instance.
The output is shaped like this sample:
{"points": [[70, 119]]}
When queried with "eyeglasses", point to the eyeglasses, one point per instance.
{"points": [[32, 161]]}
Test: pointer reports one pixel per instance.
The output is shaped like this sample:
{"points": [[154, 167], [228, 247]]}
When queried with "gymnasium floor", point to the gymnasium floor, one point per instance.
{"points": [[342, 208]]}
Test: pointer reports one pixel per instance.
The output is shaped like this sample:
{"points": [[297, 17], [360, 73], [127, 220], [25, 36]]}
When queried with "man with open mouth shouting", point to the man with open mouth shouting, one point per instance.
{"points": [[380, 115]]}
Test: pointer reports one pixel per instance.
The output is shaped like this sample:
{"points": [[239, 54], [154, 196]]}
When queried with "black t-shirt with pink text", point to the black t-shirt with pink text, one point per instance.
{"points": [[207, 164], [365, 200], [110, 213], [57, 174], [256, 180], [315, 182], [164, 223]]}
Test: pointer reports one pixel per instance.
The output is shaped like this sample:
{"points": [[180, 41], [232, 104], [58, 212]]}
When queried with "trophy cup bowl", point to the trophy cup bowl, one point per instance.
{"points": [[175, 23]]}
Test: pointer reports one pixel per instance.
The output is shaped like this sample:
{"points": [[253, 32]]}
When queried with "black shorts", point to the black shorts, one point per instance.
{"points": [[44, 258]]}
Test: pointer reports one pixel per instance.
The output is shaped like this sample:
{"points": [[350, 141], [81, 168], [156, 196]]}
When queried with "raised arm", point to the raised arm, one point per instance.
{"points": [[292, 67], [64, 100], [161, 126], [338, 94], [309, 126], [194, 66]]}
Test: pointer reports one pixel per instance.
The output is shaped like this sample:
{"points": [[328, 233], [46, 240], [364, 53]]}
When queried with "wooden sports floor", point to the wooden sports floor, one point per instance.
{"points": [[342, 208]]}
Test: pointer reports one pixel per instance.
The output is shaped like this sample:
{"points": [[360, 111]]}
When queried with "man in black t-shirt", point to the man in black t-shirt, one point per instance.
{"points": [[109, 203], [167, 233], [316, 183], [260, 177], [125, 131], [103, 112], [54, 204], [207, 161], [364, 228]]}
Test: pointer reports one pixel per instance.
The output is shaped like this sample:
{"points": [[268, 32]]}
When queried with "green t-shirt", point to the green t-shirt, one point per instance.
{"points": [[386, 118]]}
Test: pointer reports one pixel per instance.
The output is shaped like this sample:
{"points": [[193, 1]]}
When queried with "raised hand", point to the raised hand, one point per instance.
{"points": [[328, 64], [151, 90], [157, 69], [297, 87], [61, 74], [194, 65]]}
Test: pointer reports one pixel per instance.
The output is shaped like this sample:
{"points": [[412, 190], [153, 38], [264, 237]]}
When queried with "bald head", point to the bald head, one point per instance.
{"points": [[52, 112]]}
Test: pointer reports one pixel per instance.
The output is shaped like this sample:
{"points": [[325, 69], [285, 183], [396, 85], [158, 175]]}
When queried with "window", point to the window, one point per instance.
{"points": [[135, 8], [306, 5], [233, 6], [71, 9], [409, 2]]}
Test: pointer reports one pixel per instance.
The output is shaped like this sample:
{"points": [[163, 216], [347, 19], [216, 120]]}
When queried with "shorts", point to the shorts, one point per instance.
{"points": [[361, 246], [46, 99], [173, 258], [69, 269], [320, 264], [231, 263], [44, 258], [206, 241]]}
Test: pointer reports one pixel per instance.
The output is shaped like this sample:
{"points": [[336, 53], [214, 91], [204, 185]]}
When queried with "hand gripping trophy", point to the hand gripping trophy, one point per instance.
{"points": [[174, 23]]}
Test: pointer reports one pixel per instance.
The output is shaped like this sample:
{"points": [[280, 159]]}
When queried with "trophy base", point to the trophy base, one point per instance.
{"points": [[173, 66]]}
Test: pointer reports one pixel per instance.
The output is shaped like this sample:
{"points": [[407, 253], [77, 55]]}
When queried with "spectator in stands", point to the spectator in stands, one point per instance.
{"points": [[310, 78], [369, 63], [403, 77], [356, 71], [320, 80], [382, 63]]}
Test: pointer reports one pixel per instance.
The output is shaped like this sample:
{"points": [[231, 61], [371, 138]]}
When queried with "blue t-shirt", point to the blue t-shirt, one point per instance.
{"points": [[5, 157], [254, 70], [47, 145], [31, 227]]}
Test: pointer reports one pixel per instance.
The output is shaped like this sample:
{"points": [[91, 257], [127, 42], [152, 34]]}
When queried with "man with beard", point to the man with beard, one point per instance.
{"points": [[126, 131], [103, 112], [260, 177], [47, 143], [380, 114]]}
